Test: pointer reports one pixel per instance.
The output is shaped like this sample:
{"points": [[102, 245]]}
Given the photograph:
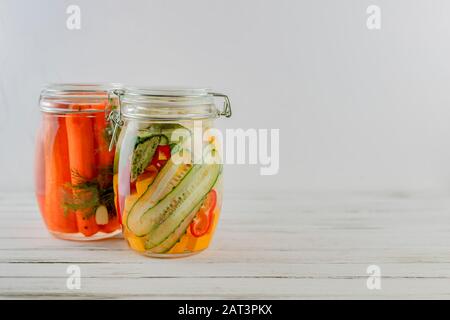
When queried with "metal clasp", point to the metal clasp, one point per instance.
{"points": [[226, 111], [115, 116]]}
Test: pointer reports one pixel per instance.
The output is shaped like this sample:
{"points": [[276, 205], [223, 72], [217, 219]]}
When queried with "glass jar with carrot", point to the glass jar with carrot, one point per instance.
{"points": [[74, 165], [168, 169]]}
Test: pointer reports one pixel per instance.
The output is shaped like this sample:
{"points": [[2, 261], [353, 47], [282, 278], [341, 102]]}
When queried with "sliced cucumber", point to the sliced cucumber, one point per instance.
{"points": [[146, 143], [167, 179], [144, 136], [164, 140], [147, 133], [165, 130], [165, 217], [174, 237]]}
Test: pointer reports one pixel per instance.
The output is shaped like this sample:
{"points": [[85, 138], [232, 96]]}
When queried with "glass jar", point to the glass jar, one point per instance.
{"points": [[168, 169], [73, 164]]}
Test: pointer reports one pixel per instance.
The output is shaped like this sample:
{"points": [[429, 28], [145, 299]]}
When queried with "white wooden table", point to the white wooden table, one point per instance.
{"points": [[286, 245]]}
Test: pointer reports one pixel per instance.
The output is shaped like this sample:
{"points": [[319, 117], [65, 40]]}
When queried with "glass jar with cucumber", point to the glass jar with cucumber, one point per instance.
{"points": [[168, 168]]}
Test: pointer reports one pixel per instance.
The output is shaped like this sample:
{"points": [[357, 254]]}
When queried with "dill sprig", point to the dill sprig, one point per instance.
{"points": [[87, 195]]}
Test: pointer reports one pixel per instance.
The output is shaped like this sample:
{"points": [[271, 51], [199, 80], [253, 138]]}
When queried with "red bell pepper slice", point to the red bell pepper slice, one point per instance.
{"points": [[205, 216]]}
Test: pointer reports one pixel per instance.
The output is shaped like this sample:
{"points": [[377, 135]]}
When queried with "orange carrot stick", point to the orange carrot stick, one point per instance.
{"points": [[105, 161], [80, 138], [104, 157], [39, 169], [57, 174], [112, 225]]}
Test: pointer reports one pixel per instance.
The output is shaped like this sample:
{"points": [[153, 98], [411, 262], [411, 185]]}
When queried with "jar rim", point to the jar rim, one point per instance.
{"points": [[57, 97], [168, 92], [167, 103], [75, 89], [159, 103]]}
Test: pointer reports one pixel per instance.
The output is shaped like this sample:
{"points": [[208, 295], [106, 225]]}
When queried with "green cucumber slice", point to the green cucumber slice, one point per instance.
{"points": [[174, 237], [146, 143], [165, 217], [167, 179], [164, 140], [166, 130]]}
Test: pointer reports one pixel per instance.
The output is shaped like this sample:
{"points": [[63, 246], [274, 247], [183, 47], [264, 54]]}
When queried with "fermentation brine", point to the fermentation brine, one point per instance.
{"points": [[73, 165], [168, 169]]}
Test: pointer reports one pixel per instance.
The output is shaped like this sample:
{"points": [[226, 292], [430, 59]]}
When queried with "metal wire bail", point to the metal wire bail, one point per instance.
{"points": [[226, 111], [115, 116]]}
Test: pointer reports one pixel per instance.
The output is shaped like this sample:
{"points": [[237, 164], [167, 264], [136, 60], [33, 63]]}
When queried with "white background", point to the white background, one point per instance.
{"points": [[357, 109]]}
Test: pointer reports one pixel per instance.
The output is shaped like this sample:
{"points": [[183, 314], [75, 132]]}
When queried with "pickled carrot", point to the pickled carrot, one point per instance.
{"points": [[105, 160], [104, 157], [80, 136], [57, 174], [39, 169]]}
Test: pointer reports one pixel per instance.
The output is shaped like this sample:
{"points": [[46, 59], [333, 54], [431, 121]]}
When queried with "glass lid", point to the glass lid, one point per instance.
{"points": [[62, 97], [170, 103]]}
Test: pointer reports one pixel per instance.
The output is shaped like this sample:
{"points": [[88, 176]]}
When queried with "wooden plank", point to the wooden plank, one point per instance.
{"points": [[229, 288], [283, 245]]}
